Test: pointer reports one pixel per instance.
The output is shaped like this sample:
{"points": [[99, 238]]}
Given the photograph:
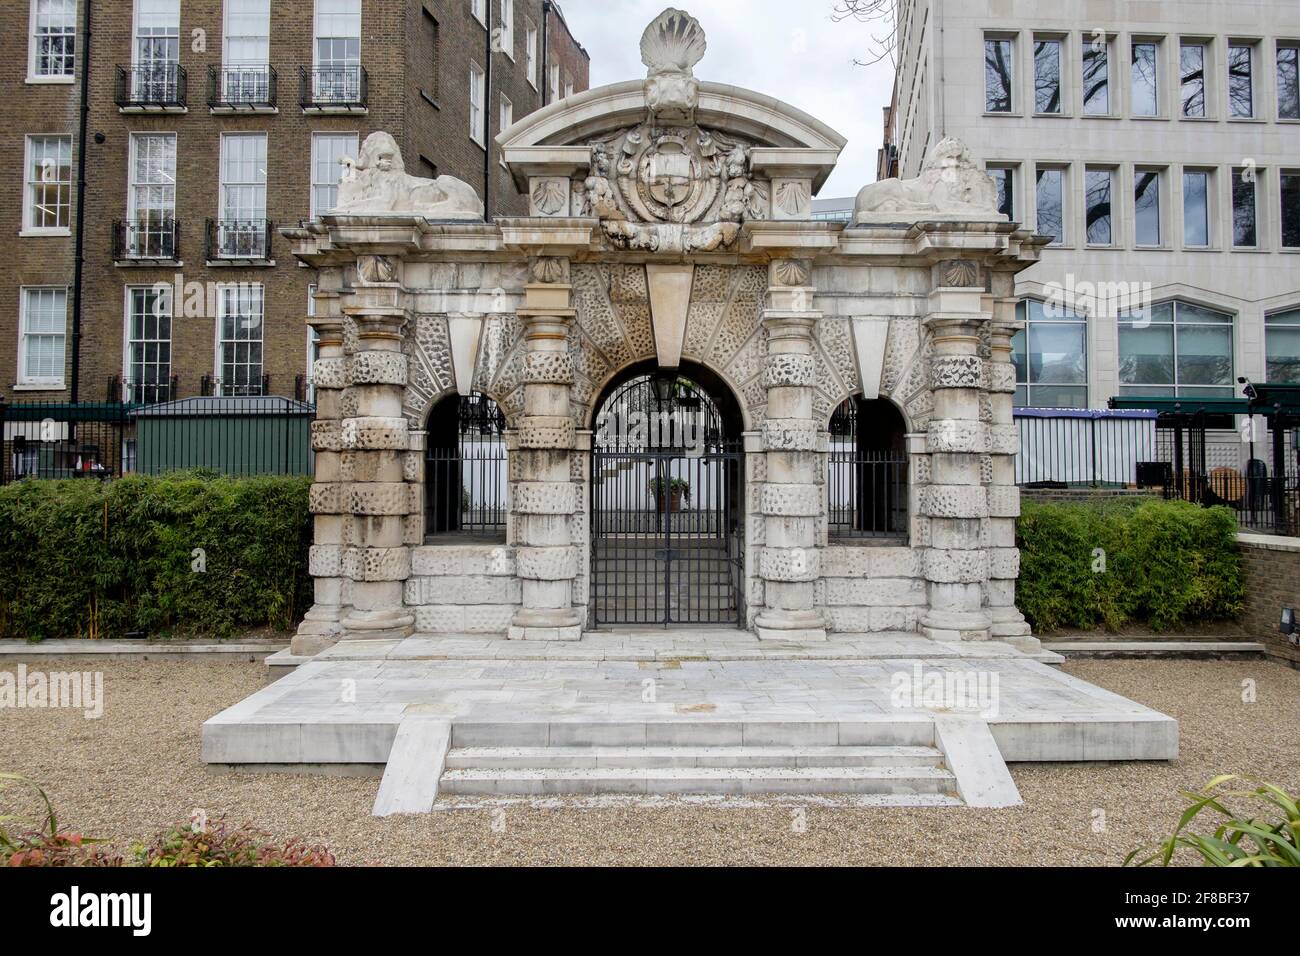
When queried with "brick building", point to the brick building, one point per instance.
{"points": [[210, 125]]}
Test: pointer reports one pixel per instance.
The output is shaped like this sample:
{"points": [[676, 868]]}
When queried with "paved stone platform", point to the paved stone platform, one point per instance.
{"points": [[675, 689]]}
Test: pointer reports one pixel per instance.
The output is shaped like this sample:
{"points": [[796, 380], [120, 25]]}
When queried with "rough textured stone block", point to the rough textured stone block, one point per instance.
{"points": [[949, 435], [325, 561], [327, 498], [791, 500], [957, 371], [439, 560], [464, 619], [330, 373], [954, 501], [378, 368], [959, 567], [789, 564], [1004, 563], [327, 435], [548, 564], [874, 592], [469, 589], [379, 498], [376, 433], [377, 564], [545, 432], [1004, 501], [791, 434], [545, 498], [789, 370]]}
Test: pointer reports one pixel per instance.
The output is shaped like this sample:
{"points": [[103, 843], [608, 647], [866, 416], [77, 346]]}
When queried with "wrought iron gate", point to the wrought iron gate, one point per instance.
{"points": [[665, 509]]}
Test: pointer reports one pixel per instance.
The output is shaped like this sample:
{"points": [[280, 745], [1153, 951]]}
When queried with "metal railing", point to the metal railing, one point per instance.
{"points": [[146, 239], [212, 387], [142, 392], [243, 87], [1083, 448], [233, 436], [157, 86], [866, 493], [245, 240], [334, 88]]}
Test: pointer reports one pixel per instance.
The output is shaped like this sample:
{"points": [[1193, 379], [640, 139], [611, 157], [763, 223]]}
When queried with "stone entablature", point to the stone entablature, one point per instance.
{"points": [[658, 236]]}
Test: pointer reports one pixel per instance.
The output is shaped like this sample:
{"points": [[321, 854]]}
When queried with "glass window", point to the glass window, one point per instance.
{"points": [[327, 152], [1241, 81], [54, 38], [239, 357], [41, 337], [997, 76], [149, 346], [1146, 87], [1196, 208], [1288, 82], [476, 94], [1051, 204], [507, 118], [337, 51], [1192, 65], [1146, 200], [1245, 211], [1096, 77], [1291, 210], [1050, 356], [479, 9], [48, 194], [243, 176], [1004, 179], [530, 55], [1099, 195], [553, 84], [1047, 76], [507, 35], [1282, 347], [1176, 349], [248, 33]]}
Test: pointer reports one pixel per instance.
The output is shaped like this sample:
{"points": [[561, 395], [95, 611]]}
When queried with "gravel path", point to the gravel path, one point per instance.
{"points": [[137, 770]]}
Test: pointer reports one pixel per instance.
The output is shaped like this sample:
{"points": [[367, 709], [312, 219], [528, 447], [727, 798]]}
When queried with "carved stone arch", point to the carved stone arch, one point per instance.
{"points": [[588, 417]]}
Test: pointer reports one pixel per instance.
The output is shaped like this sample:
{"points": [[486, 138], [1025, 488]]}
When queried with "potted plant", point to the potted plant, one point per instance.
{"points": [[670, 493]]}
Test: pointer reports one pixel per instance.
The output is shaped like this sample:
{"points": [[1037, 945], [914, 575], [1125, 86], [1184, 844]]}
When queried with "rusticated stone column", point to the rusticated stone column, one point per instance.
{"points": [[544, 497], [1008, 624], [373, 494], [791, 497], [956, 501], [323, 624]]}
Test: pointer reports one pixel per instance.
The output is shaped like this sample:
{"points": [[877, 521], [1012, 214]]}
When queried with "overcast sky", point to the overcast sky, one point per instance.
{"points": [[789, 49]]}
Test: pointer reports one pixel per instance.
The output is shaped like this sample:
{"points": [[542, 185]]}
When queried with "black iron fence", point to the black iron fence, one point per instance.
{"points": [[146, 239], [341, 88], [160, 85], [242, 240], [242, 87], [232, 436], [867, 493]]}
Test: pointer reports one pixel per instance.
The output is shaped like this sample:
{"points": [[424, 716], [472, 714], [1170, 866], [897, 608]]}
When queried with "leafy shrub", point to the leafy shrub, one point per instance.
{"points": [[220, 845], [47, 845], [1158, 563], [1238, 840], [82, 558]]}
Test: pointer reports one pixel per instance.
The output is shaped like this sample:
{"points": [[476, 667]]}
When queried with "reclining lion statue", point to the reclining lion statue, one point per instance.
{"points": [[950, 184], [376, 183]]}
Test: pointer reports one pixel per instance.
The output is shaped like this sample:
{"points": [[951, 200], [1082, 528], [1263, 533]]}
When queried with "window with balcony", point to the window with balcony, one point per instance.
{"points": [[1282, 347], [1099, 190], [242, 230], [246, 77], [1191, 60], [337, 78], [1096, 76], [1146, 79], [47, 206], [1245, 208], [1176, 349], [1241, 81], [149, 346], [1050, 355], [1047, 76], [53, 44], [149, 231], [42, 332], [998, 74], [327, 152], [239, 346], [156, 78]]}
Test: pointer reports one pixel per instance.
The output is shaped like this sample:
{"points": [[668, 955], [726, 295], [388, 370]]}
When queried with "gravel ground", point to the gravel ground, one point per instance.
{"points": [[137, 770]]}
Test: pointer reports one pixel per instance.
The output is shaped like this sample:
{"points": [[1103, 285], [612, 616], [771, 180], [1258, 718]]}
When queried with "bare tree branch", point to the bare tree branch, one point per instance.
{"points": [[882, 45]]}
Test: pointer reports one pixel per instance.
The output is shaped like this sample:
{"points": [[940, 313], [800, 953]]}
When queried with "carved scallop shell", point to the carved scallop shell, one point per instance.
{"points": [[550, 195], [673, 42]]}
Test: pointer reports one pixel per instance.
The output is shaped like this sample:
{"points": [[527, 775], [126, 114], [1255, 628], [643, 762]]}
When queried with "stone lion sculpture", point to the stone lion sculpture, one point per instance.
{"points": [[376, 183], [950, 184]]}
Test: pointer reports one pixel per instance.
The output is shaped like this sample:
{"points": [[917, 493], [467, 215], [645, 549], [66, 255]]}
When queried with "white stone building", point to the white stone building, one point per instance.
{"points": [[1159, 144]]}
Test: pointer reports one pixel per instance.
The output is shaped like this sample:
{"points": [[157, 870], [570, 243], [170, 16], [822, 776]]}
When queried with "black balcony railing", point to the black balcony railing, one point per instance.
{"points": [[242, 87], [153, 86], [146, 239], [210, 386], [245, 240], [335, 88], [149, 390]]}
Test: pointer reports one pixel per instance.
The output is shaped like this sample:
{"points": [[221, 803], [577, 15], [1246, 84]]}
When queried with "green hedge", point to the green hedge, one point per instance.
{"points": [[1166, 564], [85, 558]]}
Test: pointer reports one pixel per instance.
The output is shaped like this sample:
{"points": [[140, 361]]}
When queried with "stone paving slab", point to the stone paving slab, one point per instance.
{"points": [[344, 706]]}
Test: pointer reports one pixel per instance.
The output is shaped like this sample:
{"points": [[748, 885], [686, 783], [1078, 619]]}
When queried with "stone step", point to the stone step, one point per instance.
{"points": [[651, 758], [721, 780], [695, 733]]}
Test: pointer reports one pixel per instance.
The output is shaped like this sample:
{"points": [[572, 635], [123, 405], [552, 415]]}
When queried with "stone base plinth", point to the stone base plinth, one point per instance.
{"points": [[378, 625], [800, 627]]}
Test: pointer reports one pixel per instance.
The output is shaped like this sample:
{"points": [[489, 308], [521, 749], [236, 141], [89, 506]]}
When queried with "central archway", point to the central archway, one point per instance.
{"points": [[667, 494]]}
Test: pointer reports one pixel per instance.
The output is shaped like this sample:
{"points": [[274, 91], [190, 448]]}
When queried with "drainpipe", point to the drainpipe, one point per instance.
{"points": [[79, 249], [544, 71], [487, 117]]}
